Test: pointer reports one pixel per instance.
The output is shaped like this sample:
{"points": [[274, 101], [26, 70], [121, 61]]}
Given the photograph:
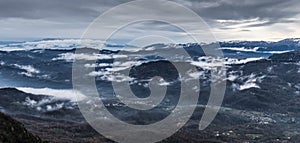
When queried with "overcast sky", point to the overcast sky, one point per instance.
{"points": [[229, 19]]}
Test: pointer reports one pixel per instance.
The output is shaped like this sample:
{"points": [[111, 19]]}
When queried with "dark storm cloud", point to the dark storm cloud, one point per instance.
{"points": [[267, 23], [272, 11], [247, 9], [245, 30], [70, 17], [54, 9]]}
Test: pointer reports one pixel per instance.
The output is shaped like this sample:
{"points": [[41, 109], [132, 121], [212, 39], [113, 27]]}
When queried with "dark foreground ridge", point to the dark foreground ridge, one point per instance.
{"points": [[12, 131]]}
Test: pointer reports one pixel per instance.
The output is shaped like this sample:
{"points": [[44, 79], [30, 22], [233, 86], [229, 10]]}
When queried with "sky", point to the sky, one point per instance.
{"points": [[268, 20]]}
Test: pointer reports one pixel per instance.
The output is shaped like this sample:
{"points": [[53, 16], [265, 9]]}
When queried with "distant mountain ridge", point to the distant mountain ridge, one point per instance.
{"points": [[290, 42]]}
